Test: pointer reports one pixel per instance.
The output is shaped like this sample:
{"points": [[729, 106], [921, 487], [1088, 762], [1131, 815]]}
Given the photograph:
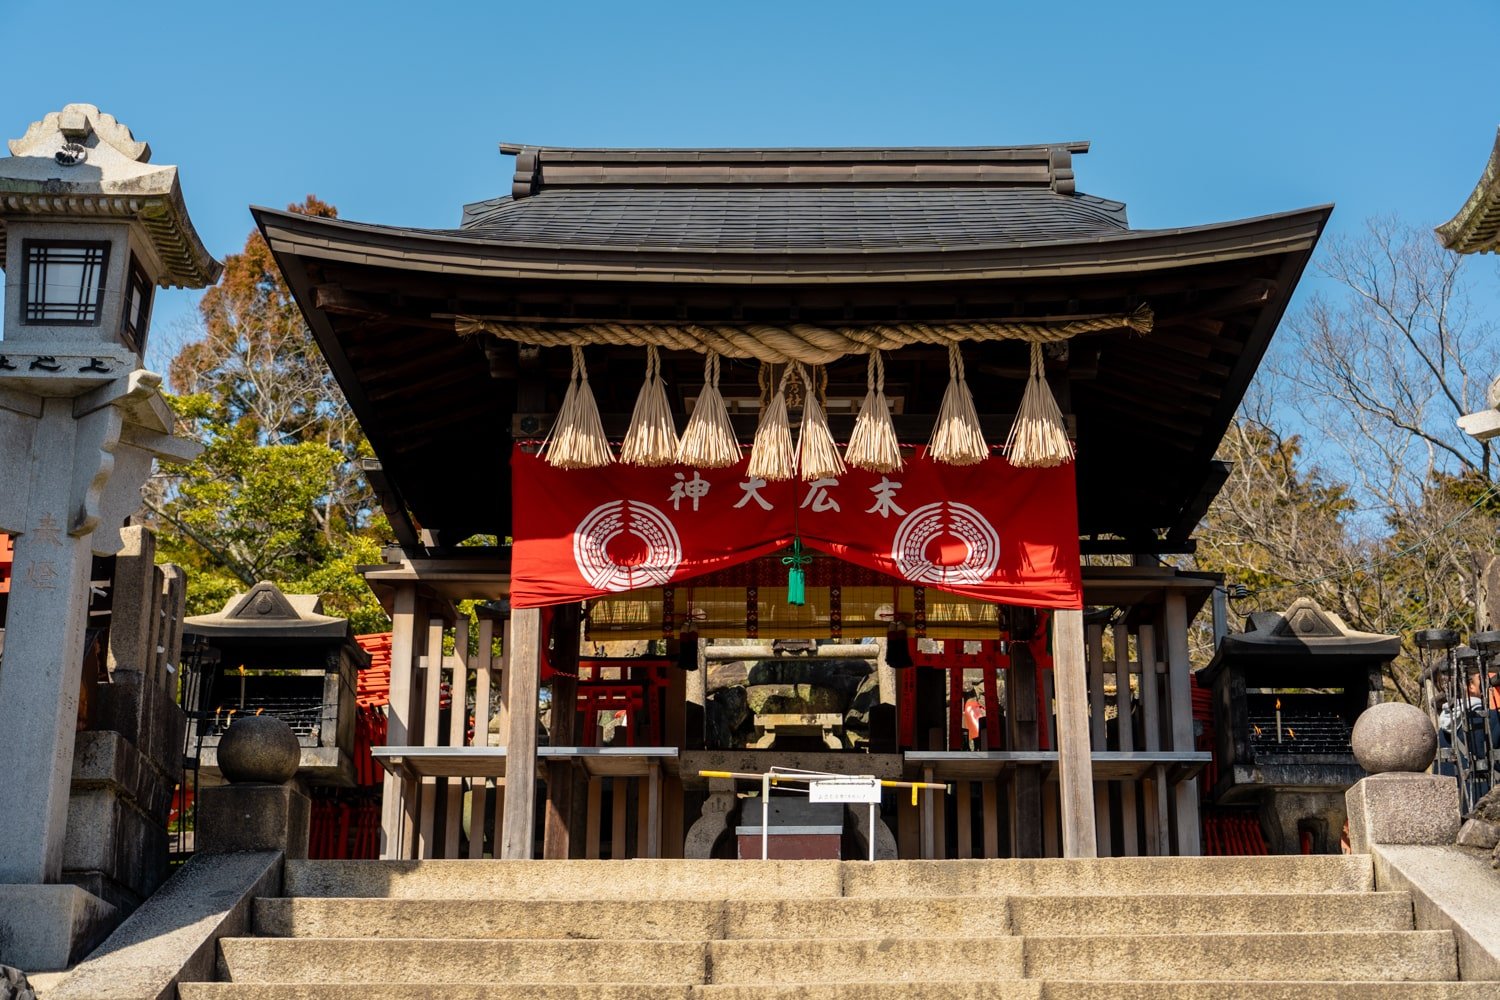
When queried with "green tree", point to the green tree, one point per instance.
{"points": [[277, 493]]}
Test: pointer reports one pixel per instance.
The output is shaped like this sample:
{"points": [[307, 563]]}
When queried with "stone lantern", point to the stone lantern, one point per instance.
{"points": [[88, 230]]}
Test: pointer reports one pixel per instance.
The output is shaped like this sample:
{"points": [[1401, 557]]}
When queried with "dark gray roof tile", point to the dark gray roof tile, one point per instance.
{"points": [[793, 218]]}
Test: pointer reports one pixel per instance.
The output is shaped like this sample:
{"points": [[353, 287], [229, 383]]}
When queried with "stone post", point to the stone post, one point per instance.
{"points": [[1398, 803], [261, 809]]}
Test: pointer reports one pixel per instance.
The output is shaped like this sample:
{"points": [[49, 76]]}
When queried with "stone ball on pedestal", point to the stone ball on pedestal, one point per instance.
{"points": [[259, 748], [1394, 736]]}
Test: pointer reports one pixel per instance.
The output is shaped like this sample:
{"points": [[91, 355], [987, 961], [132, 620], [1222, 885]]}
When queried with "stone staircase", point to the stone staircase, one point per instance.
{"points": [[1222, 928]]}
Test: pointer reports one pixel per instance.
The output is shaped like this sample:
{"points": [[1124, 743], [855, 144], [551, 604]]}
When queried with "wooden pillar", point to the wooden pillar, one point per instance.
{"points": [[990, 798], [396, 791], [458, 717], [432, 675], [1158, 829], [595, 818], [1075, 765], [478, 788], [1020, 694], [556, 834], [1189, 834], [1125, 726], [520, 752], [963, 819]]}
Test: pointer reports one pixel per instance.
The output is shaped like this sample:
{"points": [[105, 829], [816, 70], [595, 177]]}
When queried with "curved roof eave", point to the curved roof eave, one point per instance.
{"points": [[452, 252], [1476, 227]]}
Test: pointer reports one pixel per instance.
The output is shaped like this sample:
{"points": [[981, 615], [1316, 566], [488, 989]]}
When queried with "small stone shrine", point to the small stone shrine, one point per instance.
{"points": [[1287, 692], [269, 653]]}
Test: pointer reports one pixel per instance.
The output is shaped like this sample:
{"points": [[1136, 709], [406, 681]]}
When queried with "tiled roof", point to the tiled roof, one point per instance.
{"points": [[786, 218]]}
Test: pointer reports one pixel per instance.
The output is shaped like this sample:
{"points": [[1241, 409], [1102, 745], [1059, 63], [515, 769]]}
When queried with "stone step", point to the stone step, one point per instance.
{"points": [[882, 960], [1057, 989], [419, 961], [871, 916], [1112, 876], [636, 879], [1034, 989], [1256, 990], [1186, 913], [671, 879], [438, 989], [679, 920], [647, 920], [988, 990], [1415, 956], [428, 960]]}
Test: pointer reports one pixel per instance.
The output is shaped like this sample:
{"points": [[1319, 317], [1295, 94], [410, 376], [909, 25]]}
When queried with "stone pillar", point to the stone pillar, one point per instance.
{"points": [[1398, 803], [40, 678], [80, 423]]}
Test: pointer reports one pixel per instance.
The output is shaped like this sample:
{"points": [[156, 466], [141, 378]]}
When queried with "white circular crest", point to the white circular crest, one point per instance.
{"points": [[921, 526], [609, 520]]}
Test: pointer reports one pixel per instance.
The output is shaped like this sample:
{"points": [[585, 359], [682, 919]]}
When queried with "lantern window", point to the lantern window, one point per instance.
{"points": [[64, 282]]}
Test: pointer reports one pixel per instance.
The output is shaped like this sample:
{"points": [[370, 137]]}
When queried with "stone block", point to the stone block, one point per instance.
{"points": [[109, 761], [106, 833], [146, 715], [48, 927], [132, 645], [1402, 808], [1479, 833], [116, 894], [253, 817]]}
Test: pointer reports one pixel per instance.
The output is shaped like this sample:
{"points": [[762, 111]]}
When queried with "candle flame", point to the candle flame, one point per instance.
{"points": [[1278, 700], [1257, 730], [1291, 732], [242, 673], [260, 710]]}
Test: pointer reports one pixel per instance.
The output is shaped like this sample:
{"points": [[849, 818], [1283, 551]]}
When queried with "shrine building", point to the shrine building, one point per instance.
{"points": [[850, 461]]}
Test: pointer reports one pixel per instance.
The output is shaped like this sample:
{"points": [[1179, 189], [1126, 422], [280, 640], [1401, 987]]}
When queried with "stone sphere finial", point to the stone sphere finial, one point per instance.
{"points": [[259, 748], [1394, 736]]}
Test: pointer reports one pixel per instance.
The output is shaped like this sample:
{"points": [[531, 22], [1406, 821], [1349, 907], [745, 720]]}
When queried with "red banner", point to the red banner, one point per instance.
{"points": [[989, 531]]}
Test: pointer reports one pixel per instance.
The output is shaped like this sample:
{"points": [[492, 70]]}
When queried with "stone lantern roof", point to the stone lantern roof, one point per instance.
{"points": [[264, 612], [82, 164]]}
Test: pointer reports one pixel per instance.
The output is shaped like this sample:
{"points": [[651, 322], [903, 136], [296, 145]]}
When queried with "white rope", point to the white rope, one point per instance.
{"points": [[811, 345]]}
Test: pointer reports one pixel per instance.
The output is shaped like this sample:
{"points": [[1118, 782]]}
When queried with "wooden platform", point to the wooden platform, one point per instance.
{"points": [[489, 762]]}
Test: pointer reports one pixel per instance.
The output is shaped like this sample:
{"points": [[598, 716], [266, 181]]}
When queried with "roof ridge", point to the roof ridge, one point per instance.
{"points": [[1042, 166]]}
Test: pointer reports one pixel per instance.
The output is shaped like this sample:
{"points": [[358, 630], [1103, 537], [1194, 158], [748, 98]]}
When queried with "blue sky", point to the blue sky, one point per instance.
{"points": [[1198, 112]]}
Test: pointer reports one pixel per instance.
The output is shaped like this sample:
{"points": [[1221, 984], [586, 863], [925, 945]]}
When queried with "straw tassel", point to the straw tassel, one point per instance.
{"points": [[771, 455], [957, 438], [817, 453], [651, 438], [873, 445], [1039, 437], [708, 442], [577, 439]]}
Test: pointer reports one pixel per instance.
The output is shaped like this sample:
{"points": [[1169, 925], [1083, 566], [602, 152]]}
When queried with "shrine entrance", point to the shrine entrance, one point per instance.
{"points": [[667, 414]]}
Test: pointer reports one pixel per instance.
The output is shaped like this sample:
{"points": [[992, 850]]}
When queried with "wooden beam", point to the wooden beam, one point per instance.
{"points": [[1075, 766], [520, 751]]}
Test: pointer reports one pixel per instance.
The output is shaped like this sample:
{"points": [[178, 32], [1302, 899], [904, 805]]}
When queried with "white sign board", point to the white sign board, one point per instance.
{"points": [[844, 790]]}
